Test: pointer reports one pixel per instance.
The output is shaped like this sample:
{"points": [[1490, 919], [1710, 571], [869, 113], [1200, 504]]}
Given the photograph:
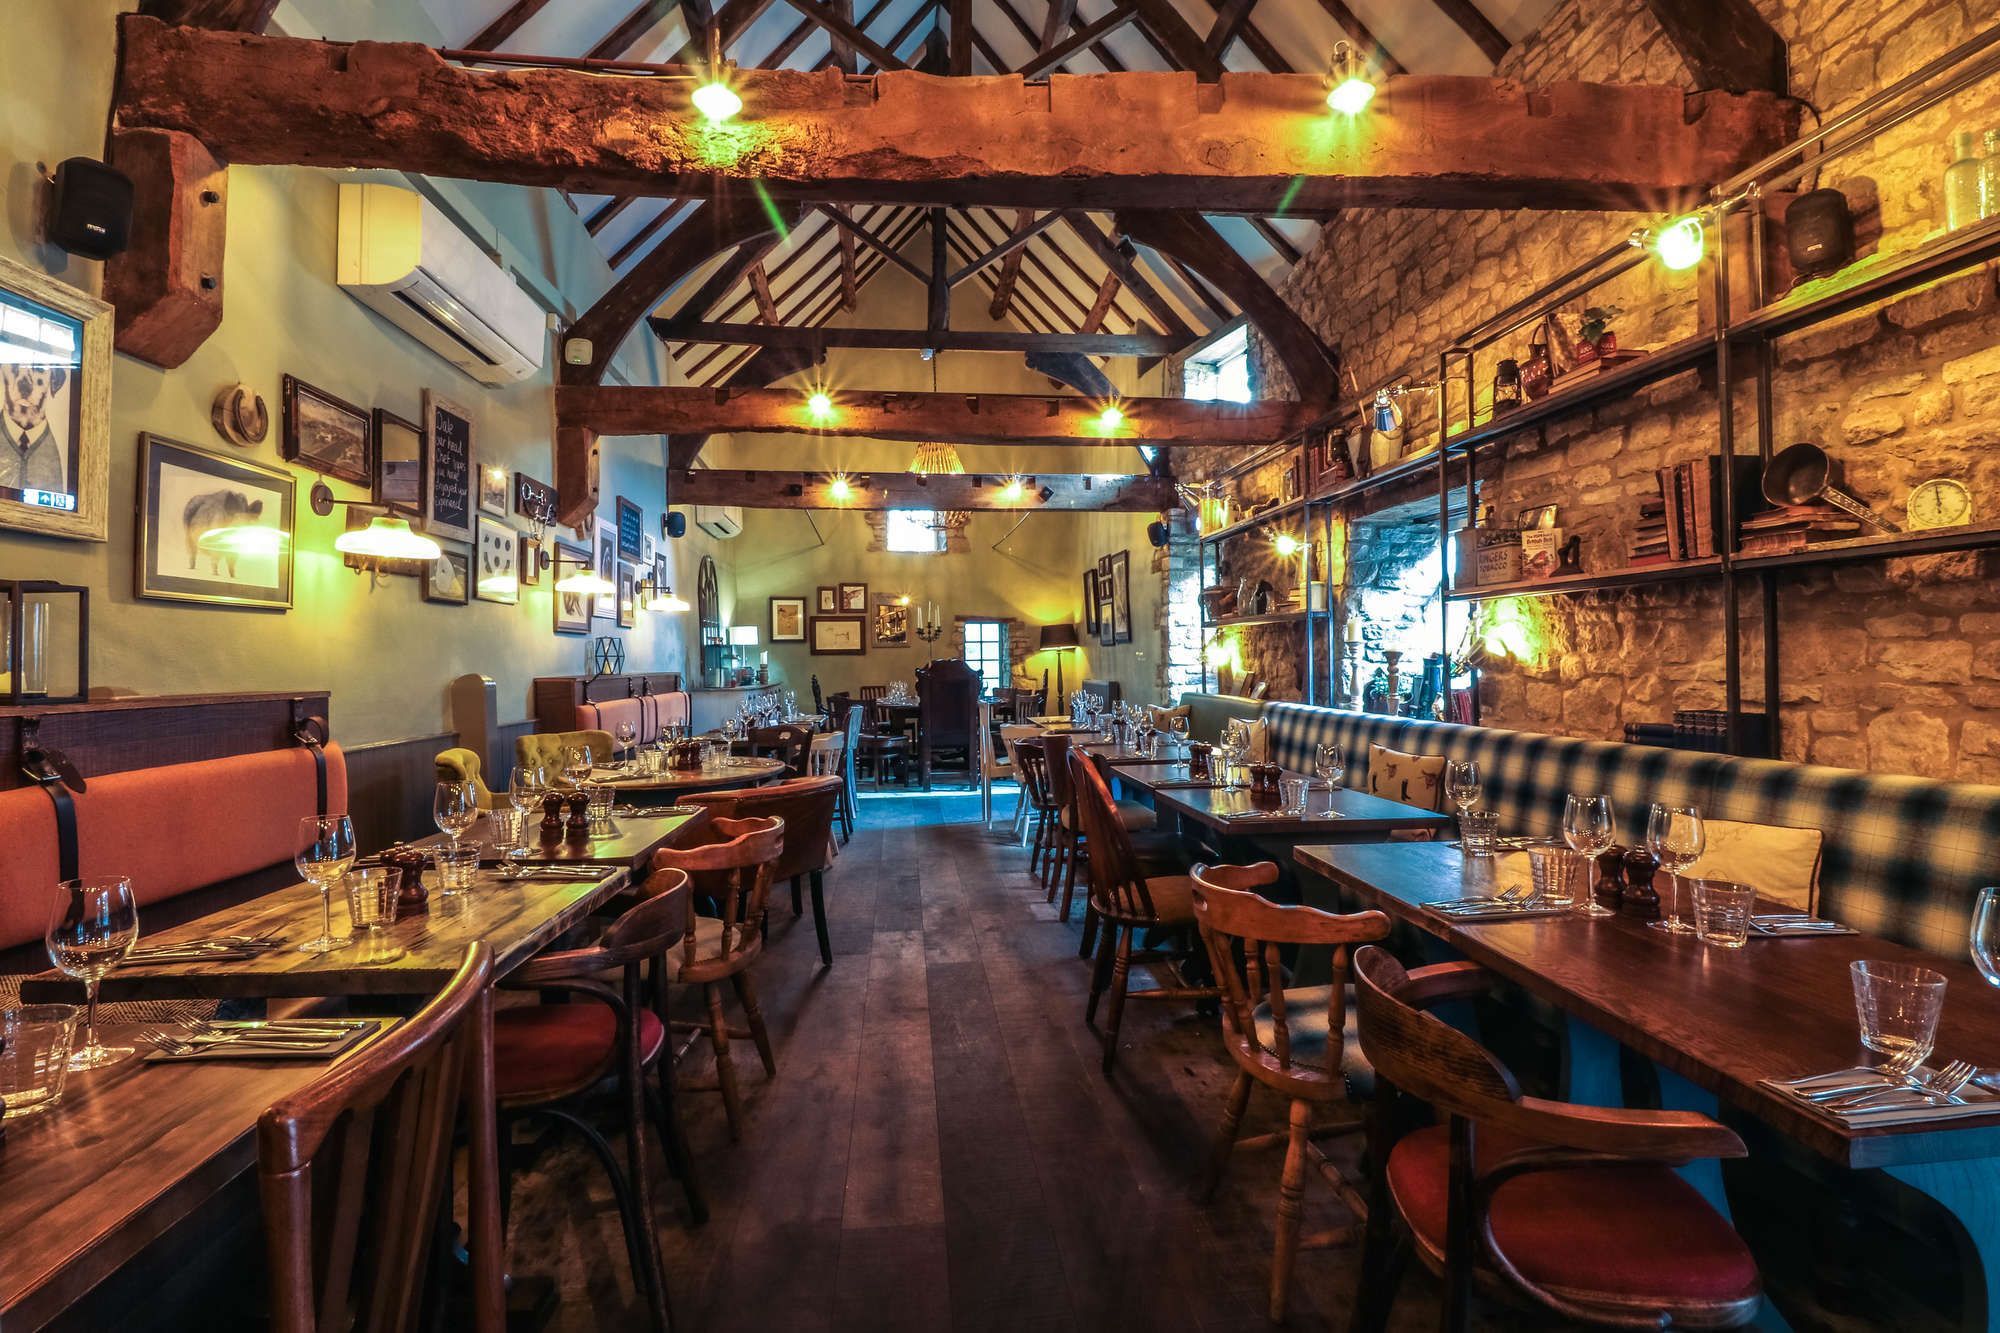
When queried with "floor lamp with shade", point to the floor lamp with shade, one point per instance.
{"points": [[1058, 639]]}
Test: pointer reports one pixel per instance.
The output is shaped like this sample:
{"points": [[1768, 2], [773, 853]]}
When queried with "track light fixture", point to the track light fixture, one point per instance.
{"points": [[1348, 88]]}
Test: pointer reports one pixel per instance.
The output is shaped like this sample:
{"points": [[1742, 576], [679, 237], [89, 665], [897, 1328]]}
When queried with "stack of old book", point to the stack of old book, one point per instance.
{"points": [[1684, 522], [1795, 527], [1705, 729]]}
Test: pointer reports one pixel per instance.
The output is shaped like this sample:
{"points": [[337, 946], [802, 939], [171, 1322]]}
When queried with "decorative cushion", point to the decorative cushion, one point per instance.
{"points": [[460, 765], [548, 1050], [1305, 1022], [1625, 1233], [1780, 863], [1413, 779], [1163, 718], [546, 747], [1260, 742]]}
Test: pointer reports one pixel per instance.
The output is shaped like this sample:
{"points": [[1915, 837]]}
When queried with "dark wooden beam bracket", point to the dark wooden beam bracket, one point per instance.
{"points": [[166, 289]]}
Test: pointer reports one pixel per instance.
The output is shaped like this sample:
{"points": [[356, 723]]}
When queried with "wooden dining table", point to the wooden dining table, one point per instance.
{"points": [[1336, 814], [1716, 1022], [732, 773]]}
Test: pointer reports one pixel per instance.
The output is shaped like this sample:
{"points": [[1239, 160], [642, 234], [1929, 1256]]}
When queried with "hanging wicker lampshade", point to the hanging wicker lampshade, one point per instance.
{"points": [[935, 458]]}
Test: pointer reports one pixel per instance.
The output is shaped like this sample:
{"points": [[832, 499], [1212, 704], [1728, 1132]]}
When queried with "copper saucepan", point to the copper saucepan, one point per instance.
{"points": [[1802, 473]]}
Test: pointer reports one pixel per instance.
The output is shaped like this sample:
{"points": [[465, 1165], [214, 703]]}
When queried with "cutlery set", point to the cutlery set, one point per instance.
{"points": [[1899, 1087], [259, 1038]]}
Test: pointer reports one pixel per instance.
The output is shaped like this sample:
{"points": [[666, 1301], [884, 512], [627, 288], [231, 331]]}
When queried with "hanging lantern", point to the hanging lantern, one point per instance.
{"points": [[936, 459]]}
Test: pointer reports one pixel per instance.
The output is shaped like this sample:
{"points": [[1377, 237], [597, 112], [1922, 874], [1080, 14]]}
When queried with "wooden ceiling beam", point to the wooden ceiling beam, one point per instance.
{"points": [[1276, 239], [1043, 62], [1018, 238], [847, 32], [1229, 21], [869, 239], [1184, 50], [961, 418], [1259, 45], [1107, 291], [669, 210], [1149, 296], [1010, 267], [1031, 306], [495, 34], [1362, 36], [850, 287], [881, 491], [760, 288], [632, 27], [730, 23], [605, 212], [225, 15], [1472, 21], [721, 282], [959, 29], [1137, 140], [1725, 44], [916, 340]]}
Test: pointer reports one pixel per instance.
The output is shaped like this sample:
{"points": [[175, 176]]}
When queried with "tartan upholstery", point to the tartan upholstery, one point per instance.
{"points": [[1904, 856]]}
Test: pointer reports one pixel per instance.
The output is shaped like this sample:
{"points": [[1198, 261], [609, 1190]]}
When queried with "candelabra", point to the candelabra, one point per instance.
{"points": [[929, 627]]}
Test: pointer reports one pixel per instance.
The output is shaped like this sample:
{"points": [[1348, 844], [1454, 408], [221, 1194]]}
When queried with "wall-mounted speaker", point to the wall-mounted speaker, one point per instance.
{"points": [[1156, 533], [90, 209], [676, 524], [1819, 232]]}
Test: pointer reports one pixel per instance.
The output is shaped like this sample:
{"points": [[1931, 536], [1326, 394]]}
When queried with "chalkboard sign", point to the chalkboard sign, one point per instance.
{"points": [[631, 530], [447, 469]]}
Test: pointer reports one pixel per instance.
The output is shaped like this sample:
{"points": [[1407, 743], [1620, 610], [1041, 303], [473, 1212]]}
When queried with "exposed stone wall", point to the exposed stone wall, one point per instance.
{"points": [[1891, 666]]}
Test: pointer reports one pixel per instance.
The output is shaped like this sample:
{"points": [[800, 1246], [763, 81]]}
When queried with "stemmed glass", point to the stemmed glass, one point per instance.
{"points": [[576, 764], [1329, 764], [1986, 935], [455, 806], [1674, 834], [94, 925], [1588, 827], [525, 789], [1461, 784], [1178, 724], [1235, 748], [325, 854], [626, 732]]}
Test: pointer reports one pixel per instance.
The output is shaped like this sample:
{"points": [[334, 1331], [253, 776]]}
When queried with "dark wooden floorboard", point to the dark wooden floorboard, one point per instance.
{"points": [[939, 1149]]}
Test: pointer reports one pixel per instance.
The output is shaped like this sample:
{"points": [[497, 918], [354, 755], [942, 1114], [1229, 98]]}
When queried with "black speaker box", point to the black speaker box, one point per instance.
{"points": [[677, 525], [1156, 533], [1819, 232], [90, 209]]}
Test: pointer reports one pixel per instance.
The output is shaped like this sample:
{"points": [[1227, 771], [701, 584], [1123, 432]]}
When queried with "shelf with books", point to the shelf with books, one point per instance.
{"points": [[1605, 386], [1878, 546], [1630, 577]]}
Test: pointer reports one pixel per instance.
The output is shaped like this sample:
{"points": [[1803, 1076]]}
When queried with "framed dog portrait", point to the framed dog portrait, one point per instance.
{"points": [[327, 434], [213, 528], [55, 406]]}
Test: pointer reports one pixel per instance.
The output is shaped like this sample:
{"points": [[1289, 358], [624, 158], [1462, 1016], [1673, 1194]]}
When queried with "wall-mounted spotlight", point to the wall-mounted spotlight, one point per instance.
{"points": [[1014, 490], [840, 490], [1348, 87], [386, 544], [586, 579], [819, 406], [1678, 244], [716, 100]]}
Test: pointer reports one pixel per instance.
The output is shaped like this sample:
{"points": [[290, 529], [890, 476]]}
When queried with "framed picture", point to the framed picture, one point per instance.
{"points": [[892, 622], [1121, 598], [447, 468], [1090, 617], [1291, 479], [1107, 630], [662, 579], [327, 434], [493, 490], [839, 636], [449, 579], [854, 599], [628, 596], [399, 464], [528, 558], [829, 600], [648, 552], [534, 500], [499, 563], [631, 530], [604, 561], [55, 403], [572, 608], [788, 620], [211, 528]]}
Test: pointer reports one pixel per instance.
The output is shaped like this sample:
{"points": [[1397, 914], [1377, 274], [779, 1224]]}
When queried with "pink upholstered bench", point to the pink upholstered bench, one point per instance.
{"points": [[646, 712]]}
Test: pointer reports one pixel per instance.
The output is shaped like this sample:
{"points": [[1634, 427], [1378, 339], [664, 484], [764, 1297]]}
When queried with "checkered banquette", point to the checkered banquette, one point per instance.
{"points": [[1904, 857]]}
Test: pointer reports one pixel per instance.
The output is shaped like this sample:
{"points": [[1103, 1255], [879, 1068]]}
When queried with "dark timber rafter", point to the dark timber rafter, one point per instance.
{"points": [[875, 492], [916, 340], [1725, 43]]}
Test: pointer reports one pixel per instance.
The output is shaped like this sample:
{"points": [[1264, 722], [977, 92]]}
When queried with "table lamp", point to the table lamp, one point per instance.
{"points": [[1058, 639]]}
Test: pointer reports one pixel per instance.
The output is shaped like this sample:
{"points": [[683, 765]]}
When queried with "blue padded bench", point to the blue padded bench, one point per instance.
{"points": [[1208, 713], [1903, 857]]}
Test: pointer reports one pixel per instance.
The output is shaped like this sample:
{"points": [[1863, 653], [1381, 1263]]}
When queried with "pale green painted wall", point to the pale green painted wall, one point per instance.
{"points": [[385, 653]]}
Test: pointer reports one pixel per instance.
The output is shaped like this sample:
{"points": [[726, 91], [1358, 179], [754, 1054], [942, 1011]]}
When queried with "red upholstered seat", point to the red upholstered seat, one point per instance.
{"points": [[1637, 1233], [545, 1051]]}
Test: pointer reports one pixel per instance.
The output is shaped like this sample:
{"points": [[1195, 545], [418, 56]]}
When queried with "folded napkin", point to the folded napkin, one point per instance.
{"points": [[1793, 925], [258, 1040], [1902, 1107], [202, 951]]}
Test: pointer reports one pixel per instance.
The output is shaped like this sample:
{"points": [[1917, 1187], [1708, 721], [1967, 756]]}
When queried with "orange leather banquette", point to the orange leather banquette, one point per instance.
{"points": [[647, 712], [174, 829]]}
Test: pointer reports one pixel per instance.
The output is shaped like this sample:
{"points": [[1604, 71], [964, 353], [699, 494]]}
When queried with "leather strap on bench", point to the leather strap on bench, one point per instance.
{"points": [[51, 770], [311, 732]]}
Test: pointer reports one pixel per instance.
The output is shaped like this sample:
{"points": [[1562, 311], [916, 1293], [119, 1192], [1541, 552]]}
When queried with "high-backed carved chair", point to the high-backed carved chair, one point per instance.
{"points": [[788, 743], [806, 805], [1127, 902], [732, 870], [547, 748], [548, 1058], [461, 765], [948, 719], [1571, 1210], [1298, 1042], [353, 1170]]}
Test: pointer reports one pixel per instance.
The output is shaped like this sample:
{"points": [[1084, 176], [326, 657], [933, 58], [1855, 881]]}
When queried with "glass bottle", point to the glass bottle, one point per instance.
{"points": [[1962, 183], [1989, 176]]}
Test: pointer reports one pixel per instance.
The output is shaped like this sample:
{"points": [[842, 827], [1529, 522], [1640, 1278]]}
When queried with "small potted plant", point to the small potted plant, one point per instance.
{"points": [[1594, 338]]}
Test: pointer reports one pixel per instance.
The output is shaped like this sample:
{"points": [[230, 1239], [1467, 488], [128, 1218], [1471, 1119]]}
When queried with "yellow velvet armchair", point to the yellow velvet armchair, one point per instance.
{"points": [[546, 748], [462, 765]]}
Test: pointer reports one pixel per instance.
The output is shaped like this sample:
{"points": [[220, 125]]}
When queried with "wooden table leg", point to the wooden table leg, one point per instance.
{"points": [[1970, 1191]]}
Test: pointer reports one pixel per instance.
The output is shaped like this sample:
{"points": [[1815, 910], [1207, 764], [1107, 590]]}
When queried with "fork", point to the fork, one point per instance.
{"points": [[1939, 1089], [189, 1043]]}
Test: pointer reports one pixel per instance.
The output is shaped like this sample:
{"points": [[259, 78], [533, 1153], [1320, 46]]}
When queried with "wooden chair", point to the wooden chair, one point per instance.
{"points": [[1573, 1210], [733, 870], [1297, 1042], [461, 765], [1031, 759], [870, 693], [829, 758], [548, 1057], [1071, 846], [819, 700], [1126, 902], [789, 743], [806, 805], [947, 719], [354, 1172], [1010, 740]]}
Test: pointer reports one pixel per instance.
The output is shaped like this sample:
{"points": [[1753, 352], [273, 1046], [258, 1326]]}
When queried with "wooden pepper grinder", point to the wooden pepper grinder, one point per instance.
{"points": [[578, 828], [1610, 888], [412, 899], [1200, 766], [552, 818], [1641, 899]]}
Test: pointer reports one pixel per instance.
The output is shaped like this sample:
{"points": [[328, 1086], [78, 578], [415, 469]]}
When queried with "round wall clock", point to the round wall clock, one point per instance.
{"points": [[1940, 503]]}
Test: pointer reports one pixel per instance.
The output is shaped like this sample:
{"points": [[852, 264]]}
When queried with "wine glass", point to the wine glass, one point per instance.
{"points": [[455, 806], [1178, 725], [1986, 935], [576, 763], [626, 732], [1675, 836], [526, 787], [1329, 764], [325, 854], [1461, 784], [1588, 827], [94, 925], [1235, 748]]}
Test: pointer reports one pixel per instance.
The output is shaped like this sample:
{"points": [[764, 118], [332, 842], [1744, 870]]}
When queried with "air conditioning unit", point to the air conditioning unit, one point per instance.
{"points": [[400, 256], [719, 522]]}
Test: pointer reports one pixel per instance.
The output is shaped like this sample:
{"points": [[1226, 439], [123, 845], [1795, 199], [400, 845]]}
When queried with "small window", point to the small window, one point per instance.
{"points": [[914, 531], [1220, 372], [986, 652]]}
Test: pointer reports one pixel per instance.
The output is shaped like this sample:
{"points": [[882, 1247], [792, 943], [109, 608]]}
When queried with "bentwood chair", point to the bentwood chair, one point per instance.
{"points": [[1127, 903], [1007, 764], [1298, 1042], [1568, 1210], [354, 1172], [806, 805], [548, 1058], [1071, 846], [732, 870], [461, 765]]}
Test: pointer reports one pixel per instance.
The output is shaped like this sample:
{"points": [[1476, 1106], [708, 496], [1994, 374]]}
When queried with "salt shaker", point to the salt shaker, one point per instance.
{"points": [[1642, 900]]}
